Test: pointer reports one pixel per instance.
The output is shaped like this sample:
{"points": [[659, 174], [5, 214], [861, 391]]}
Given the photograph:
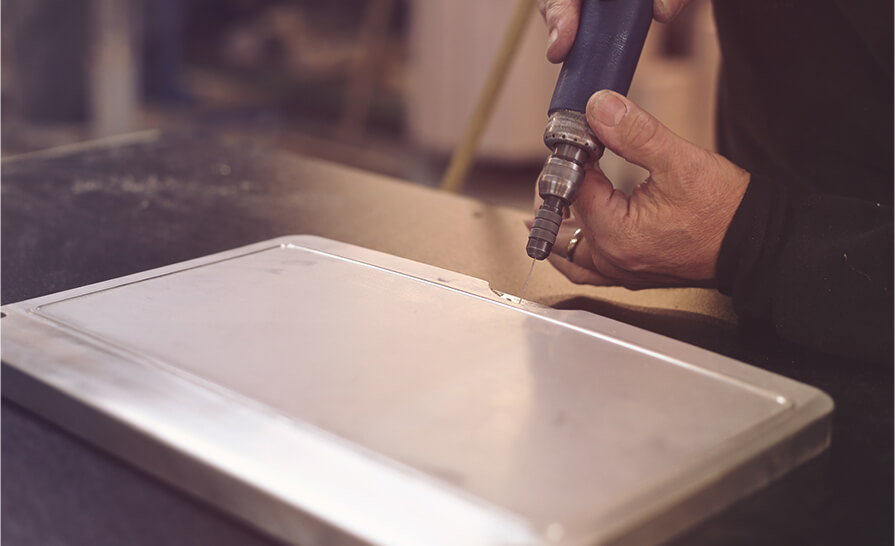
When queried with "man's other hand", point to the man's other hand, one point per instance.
{"points": [[561, 17]]}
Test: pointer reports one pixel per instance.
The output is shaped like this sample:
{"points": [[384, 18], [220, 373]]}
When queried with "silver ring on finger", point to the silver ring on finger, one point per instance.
{"points": [[577, 236]]}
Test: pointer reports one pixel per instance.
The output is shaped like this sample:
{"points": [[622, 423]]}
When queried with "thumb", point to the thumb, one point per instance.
{"points": [[632, 133]]}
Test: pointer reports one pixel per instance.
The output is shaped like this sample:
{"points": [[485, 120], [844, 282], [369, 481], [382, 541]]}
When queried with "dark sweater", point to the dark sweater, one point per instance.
{"points": [[806, 106]]}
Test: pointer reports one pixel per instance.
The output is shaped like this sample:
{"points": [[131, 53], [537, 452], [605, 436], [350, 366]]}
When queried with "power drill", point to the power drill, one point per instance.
{"points": [[604, 55]]}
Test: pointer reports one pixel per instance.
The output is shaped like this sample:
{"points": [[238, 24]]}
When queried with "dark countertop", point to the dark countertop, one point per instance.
{"points": [[85, 214]]}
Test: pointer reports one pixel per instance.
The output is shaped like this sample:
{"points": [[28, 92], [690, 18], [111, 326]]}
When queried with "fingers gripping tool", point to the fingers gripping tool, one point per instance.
{"points": [[604, 55]]}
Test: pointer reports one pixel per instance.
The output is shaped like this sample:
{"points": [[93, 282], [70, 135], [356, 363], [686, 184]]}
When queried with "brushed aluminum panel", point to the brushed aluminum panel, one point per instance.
{"points": [[366, 397]]}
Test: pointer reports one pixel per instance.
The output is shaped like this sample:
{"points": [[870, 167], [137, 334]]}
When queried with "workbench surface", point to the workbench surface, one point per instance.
{"points": [[90, 213]]}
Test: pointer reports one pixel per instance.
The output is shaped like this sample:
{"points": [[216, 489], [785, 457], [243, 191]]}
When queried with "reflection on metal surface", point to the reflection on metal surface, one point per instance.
{"points": [[320, 390], [508, 297]]}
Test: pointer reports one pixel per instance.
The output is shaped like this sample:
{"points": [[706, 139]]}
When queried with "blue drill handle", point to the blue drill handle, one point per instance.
{"points": [[607, 46]]}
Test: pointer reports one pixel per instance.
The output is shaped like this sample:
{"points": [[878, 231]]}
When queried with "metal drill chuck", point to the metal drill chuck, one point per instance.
{"points": [[574, 146], [546, 226]]}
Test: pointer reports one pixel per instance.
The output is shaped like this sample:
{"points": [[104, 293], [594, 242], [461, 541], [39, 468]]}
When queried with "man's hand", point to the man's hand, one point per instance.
{"points": [[562, 22], [668, 232]]}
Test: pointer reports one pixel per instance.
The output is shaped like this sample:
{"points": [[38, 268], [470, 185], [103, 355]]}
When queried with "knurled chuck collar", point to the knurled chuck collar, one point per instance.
{"points": [[570, 127]]}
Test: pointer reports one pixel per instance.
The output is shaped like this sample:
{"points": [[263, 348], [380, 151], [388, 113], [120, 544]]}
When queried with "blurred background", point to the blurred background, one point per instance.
{"points": [[382, 85]]}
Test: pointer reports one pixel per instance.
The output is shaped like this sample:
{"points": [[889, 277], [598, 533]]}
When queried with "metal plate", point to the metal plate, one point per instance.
{"points": [[329, 393]]}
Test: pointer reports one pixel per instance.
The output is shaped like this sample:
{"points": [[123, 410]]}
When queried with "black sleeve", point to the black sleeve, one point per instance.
{"points": [[818, 268]]}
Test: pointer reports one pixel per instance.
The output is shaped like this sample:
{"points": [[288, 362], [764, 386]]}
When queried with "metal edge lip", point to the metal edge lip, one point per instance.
{"points": [[335, 469]]}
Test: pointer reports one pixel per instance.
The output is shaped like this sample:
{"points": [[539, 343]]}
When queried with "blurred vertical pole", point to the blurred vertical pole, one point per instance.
{"points": [[114, 66], [464, 153]]}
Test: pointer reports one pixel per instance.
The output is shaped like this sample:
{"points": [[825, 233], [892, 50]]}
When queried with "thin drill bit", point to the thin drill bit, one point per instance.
{"points": [[528, 278]]}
